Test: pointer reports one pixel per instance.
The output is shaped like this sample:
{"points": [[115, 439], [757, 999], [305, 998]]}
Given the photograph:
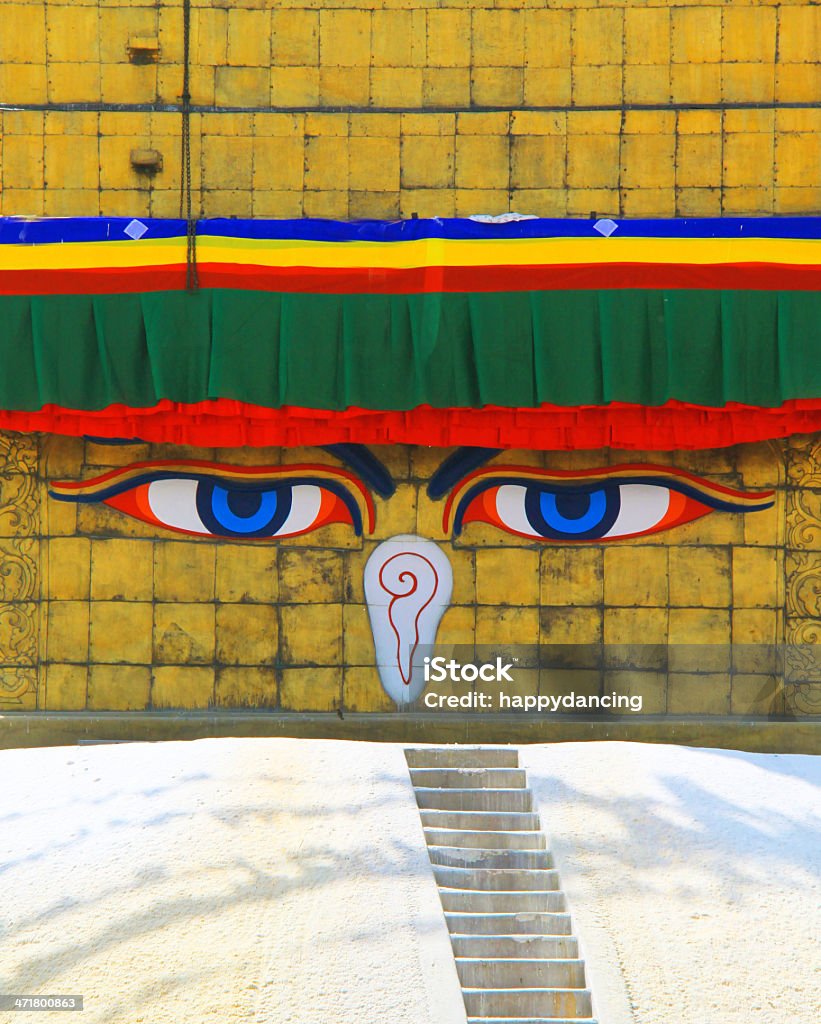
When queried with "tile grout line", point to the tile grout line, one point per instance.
{"points": [[516, 956]]}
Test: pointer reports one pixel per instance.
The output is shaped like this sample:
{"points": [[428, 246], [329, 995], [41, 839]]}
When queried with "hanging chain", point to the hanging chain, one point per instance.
{"points": [[186, 211]]}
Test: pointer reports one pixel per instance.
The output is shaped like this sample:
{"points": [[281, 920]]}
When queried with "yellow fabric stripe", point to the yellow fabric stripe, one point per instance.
{"points": [[432, 252]]}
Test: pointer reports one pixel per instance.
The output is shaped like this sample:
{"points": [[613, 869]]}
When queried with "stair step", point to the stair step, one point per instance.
{"points": [[505, 973], [470, 857], [515, 955], [530, 1020], [488, 800], [528, 1002], [525, 922], [485, 840], [495, 879], [472, 901], [470, 778], [512, 947], [506, 821], [462, 757]]}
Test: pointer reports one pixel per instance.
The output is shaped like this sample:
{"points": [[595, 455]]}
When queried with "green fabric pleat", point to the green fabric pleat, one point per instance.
{"points": [[515, 349]]}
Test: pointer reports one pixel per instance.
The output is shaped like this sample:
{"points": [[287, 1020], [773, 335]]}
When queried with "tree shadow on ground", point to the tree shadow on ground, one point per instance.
{"points": [[737, 842], [132, 906]]}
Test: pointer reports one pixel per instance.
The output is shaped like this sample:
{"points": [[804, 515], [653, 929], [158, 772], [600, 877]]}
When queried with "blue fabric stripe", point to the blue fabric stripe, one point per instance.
{"points": [[33, 231]]}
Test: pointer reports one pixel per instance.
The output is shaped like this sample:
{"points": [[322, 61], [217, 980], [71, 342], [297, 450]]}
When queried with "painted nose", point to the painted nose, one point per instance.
{"points": [[408, 586]]}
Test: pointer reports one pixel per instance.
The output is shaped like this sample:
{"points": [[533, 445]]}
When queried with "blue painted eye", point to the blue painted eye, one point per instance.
{"points": [[243, 513], [206, 499], [587, 513], [591, 505], [571, 515], [210, 507]]}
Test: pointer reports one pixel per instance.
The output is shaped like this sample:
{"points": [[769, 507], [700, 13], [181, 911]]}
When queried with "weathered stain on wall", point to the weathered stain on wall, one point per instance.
{"points": [[379, 108], [124, 615]]}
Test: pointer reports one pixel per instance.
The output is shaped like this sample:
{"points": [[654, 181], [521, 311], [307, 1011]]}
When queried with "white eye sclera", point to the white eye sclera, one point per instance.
{"points": [[637, 508], [178, 504], [643, 506], [174, 503]]}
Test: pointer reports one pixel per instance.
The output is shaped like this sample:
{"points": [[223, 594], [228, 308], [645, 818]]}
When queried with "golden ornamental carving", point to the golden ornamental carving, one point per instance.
{"points": [[802, 661], [19, 588], [803, 698], [803, 584], [18, 569], [18, 689], [804, 520], [19, 500], [804, 462], [18, 633]]}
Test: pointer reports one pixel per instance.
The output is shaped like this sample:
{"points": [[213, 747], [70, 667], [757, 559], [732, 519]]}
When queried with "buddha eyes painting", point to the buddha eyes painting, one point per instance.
{"points": [[266, 503], [408, 579], [211, 500]]}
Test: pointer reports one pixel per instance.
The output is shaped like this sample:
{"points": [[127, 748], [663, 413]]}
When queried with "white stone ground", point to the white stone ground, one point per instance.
{"points": [[694, 878], [276, 881], [286, 882]]}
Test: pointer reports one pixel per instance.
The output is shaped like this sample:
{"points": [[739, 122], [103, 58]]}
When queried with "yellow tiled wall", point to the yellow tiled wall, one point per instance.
{"points": [[113, 614], [385, 108]]}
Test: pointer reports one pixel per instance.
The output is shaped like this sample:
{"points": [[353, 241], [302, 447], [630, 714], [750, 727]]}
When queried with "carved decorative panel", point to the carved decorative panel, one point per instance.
{"points": [[803, 584], [19, 560]]}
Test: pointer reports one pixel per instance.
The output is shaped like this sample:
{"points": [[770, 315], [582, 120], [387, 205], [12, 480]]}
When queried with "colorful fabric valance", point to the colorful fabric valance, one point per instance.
{"points": [[537, 333]]}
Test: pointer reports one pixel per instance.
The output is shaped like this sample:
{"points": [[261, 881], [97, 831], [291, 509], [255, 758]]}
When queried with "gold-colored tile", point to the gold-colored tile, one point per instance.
{"points": [[182, 687], [246, 687], [311, 689], [247, 634], [121, 631], [122, 570], [184, 634], [119, 687], [311, 634]]}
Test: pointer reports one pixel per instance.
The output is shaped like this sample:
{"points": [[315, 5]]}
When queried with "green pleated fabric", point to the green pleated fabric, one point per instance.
{"points": [[393, 352]]}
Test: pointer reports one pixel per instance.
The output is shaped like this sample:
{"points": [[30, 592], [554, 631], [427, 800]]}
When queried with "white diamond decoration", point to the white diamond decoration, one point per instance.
{"points": [[605, 227], [135, 229]]}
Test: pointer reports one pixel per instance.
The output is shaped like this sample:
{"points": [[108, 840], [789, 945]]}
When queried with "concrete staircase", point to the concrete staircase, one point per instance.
{"points": [[516, 956]]}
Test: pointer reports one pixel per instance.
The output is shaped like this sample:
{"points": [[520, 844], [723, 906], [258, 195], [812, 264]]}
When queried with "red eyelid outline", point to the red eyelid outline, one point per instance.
{"points": [[602, 472], [137, 471]]}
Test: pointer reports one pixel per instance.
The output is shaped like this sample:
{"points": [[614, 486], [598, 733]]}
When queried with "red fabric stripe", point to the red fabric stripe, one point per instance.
{"points": [[374, 280], [224, 423]]}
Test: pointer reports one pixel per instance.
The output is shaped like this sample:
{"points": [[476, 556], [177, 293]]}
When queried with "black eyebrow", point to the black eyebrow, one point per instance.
{"points": [[455, 466], [357, 456], [363, 461], [113, 440]]}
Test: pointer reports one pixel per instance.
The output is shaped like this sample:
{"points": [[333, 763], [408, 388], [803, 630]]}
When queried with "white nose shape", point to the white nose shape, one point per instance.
{"points": [[408, 584]]}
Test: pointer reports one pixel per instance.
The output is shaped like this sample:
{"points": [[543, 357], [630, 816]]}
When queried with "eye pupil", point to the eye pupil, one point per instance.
{"points": [[244, 504], [242, 512], [572, 507], [572, 515]]}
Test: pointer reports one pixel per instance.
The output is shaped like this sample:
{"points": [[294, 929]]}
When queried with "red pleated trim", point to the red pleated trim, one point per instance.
{"points": [[224, 423], [415, 280]]}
